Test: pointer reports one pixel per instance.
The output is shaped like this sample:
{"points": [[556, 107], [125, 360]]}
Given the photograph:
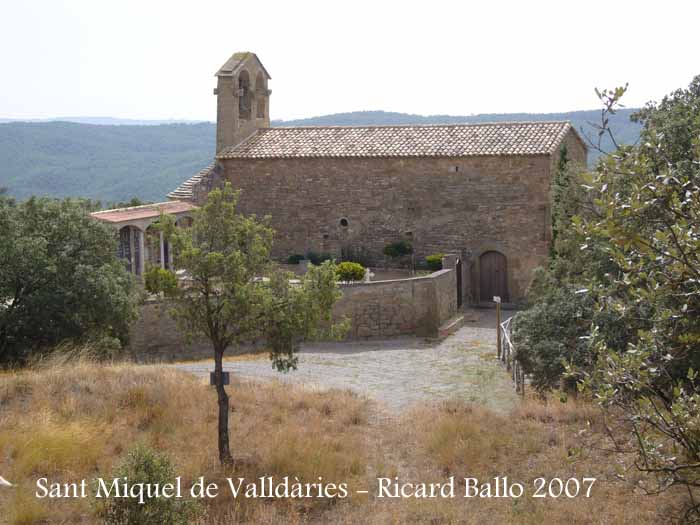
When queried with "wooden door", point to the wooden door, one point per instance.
{"points": [[493, 277]]}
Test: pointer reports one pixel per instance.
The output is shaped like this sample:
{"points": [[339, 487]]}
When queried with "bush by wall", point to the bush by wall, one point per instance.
{"points": [[295, 258], [318, 258], [350, 271], [156, 280], [434, 261], [398, 249]]}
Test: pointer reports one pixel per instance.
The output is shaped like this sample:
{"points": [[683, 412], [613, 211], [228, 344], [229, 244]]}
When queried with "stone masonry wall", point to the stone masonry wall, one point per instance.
{"points": [[416, 306], [440, 204], [399, 307], [385, 200], [154, 337]]}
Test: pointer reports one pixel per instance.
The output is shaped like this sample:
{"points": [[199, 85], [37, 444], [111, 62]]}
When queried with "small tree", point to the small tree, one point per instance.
{"points": [[225, 255]]}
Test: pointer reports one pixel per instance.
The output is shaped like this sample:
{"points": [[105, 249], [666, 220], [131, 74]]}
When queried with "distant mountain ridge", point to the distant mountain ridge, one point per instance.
{"points": [[105, 121], [147, 159]]}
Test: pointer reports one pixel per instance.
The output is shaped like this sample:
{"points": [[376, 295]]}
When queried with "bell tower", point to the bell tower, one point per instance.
{"points": [[242, 99]]}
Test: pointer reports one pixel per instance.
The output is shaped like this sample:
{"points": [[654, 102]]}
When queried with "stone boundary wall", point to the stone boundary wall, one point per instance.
{"points": [[154, 337], [415, 306]]}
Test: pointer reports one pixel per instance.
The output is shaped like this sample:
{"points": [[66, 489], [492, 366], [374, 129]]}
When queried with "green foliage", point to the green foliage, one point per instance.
{"points": [[159, 280], [552, 334], [295, 259], [49, 159], [434, 261], [398, 249], [143, 465], [350, 271], [60, 278], [224, 255], [318, 258], [649, 196], [297, 313], [631, 336], [562, 211]]}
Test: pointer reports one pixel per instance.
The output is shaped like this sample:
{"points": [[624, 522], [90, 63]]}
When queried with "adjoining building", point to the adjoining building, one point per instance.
{"points": [[481, 191], [139, 242]]}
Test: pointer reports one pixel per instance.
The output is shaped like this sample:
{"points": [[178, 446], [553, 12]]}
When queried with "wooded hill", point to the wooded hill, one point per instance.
{"points": [[114, 163]]}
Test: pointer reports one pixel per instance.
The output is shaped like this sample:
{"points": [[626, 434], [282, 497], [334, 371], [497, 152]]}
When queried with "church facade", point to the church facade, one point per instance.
{"points": [[480, 191]]}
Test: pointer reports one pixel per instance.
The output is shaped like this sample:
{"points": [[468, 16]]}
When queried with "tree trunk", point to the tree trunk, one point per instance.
{"points": [[224, 450]]}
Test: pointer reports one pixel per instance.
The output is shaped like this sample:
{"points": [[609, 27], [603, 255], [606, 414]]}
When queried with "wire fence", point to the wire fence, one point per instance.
{"points": [[507, 355]]}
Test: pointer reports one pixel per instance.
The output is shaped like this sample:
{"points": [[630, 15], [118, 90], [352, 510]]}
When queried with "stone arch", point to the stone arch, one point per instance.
{"points": [[260, 95], [156, 247], [474, 270], [130, 249], [245, 97]]}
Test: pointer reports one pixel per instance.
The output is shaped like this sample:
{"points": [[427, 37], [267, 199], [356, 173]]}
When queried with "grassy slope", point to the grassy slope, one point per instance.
{"points": [[115, 163], [76, 421]]}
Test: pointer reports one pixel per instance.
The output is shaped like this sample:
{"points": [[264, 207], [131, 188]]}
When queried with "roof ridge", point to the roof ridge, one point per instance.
{"points": [[451, 125], [132, 207]]}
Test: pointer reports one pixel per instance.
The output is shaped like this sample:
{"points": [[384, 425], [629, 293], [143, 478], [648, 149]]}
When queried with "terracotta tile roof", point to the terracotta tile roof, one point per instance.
{"points": [[502, 138], [147, 211], [184, 190]]}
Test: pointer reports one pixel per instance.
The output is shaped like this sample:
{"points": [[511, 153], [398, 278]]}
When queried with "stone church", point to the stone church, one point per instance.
{"points": [[481, 191]]}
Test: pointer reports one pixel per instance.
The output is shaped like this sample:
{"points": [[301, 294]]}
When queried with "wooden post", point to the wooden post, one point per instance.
{"points": [[498, 325]]}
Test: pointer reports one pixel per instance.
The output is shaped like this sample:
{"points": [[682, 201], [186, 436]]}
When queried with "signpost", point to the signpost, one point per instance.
{"points": [[497, 300], [225, 377]]}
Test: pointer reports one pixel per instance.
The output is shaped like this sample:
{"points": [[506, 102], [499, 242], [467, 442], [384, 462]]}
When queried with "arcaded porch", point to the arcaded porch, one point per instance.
{"points": [[140, 243]]}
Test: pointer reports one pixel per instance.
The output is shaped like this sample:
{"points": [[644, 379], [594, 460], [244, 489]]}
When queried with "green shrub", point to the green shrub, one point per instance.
{"points": [[553, 333], [318, 258], [295, 259], [350, 271], [434, 261], [61, 277], [143, 465], [157, 280], [398, 249]]}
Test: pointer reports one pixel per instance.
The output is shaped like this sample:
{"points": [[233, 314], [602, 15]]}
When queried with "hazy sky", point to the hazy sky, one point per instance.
{"points": [[156, 59]]}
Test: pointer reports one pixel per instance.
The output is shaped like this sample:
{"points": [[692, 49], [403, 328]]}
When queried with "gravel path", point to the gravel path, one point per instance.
{"points": [[397, 372]]}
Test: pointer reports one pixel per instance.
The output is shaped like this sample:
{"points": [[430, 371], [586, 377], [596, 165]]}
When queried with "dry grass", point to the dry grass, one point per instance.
{"points": [[76, 420]]}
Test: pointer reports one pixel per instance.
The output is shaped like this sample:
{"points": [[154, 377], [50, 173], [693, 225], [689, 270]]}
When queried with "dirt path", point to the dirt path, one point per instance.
{"points": [[397, 372]]}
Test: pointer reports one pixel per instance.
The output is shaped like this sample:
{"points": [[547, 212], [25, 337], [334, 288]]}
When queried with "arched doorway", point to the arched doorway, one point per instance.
{"points": [[130, 248], [493, 277]]}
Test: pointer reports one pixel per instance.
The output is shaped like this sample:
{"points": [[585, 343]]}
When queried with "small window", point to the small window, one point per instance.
{"points": [[453, 169], [344, 222]]}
